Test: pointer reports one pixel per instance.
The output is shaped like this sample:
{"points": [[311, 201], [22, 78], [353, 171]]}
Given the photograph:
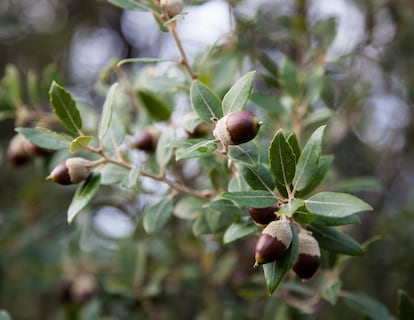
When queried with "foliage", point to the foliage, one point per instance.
{"points": [[192, 231]]}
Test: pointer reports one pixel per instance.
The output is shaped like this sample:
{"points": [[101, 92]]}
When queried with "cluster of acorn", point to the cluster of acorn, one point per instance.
{"points": [[276, 238]]}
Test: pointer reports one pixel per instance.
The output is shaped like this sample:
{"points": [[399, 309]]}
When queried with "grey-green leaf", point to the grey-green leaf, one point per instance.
{"points": [[235, 99], [46, 139], [65, 108], [238, 230], [290, 78], [83, 195], [259, 178], [156, 216], [139, 5], [205, 102], [196, 148], [154, 105], [4, 315], [107, 108], [275, 272], [308, 161], [252, 198], [335, 204], [247, 153], [405, 306], [367, 306], [282, 159]]}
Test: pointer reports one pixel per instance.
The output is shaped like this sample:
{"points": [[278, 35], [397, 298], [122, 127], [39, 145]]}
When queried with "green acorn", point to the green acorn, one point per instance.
{"points": [[71, 171], [237, 127], [273, 242], [263, 216], [309, 256]]}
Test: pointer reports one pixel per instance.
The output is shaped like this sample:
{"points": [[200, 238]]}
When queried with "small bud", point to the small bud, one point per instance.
{"points": [[309, 256], [263, 216], [237, 127], [72, 171], [273, 242], [146, 140], [173, 7]]}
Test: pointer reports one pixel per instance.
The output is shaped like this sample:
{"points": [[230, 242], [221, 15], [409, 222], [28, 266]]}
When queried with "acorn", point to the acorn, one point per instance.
{"points": [[201, 130], [263, 216], [146, 140], [237, 127], [71, 171], [309, 256], [20, 151], [273, 242], [174, 7]]}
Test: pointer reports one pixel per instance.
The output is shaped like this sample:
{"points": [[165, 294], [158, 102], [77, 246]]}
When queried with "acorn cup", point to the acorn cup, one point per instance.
{"points": [[174, 7], [263, 216], [71, 171], [146, 140], [309, 256], [273, 242], [237, 127]]}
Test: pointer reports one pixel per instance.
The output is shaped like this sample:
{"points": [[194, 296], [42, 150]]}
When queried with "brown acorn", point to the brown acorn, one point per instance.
{"points": [[273, 242], [199, 131], [263, 216], [309, 256], [71, 171], [146, 140], [173, 7], [237, 127], [20, 151]]}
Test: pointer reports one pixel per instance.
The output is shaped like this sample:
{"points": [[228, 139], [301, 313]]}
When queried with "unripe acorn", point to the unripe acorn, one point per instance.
{"points": [[21, 150], [173, 7], [237, 127], [309, 256], [71, 171], [273, 242], [146, 140], [263, 216]]}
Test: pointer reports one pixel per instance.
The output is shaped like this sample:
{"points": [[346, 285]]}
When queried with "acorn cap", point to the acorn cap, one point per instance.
{"points": [[174, 7], [309, 256], [237, 127], [273, 242], [71, 171], [263, 216]]}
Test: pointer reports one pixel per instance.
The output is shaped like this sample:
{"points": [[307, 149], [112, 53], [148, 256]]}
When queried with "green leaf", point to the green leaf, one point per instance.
{"points": [[235, 99], [325, 163], [33, 88], [360, 184], [46, 139], [65, 108], [226, 206], [80, 143], [112, 174], [331, 290], [269, 103], [239, 230], [11, 82], [247, 153], [367, 306], [335, 204], [252, 199], [217, 220], [282, 159], [333, 240], [405, 306], [205, 102], [325, 31], [155, 106], [164, 150], [200, 225], [131, 180], [331, 222], [308, 161], [275, 272], [259, 178], [196, 149], [293, 141], [106, 115], [290, 78], [189, 208], [115, 134], [156, 216], [317, 117], [139, 5], [83, 195], [313, 86], [291, 207]]}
